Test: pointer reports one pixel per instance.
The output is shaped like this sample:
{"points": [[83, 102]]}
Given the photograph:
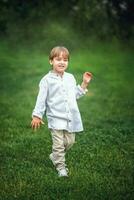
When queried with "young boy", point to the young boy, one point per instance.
{"points": [[57, 98]]}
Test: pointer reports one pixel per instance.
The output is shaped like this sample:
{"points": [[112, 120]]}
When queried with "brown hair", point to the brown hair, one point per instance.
{"points": [[56, 51]]}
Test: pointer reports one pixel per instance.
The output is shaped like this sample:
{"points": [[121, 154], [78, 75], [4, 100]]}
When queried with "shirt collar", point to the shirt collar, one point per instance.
{"points": [[55, 75]]}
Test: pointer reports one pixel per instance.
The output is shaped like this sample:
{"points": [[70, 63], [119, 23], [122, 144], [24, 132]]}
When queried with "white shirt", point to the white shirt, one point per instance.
{"points": [[57, 98]]}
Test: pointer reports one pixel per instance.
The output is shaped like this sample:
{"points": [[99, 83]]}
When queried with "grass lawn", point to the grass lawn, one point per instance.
{"points": [[101, 162]]}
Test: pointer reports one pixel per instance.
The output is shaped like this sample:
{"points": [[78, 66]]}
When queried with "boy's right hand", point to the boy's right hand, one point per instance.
{"points": [[36, 122]]}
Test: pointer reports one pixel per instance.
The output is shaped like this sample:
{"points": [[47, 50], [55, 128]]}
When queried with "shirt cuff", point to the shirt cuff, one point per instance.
{"points": [[82, 90], [36, 115]]}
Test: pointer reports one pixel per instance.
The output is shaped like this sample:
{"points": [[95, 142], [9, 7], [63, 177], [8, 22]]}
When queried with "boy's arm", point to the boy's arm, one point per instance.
{"points": [[40, 106], [36, 122], [87, 76], [81, 90]]}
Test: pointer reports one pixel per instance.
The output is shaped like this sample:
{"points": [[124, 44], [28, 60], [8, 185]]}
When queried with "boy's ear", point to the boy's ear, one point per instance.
{"points": [[50, 61]]}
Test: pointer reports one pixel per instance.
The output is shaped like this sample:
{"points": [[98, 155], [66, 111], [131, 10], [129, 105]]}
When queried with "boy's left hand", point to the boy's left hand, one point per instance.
{"points": [[87, 76]]}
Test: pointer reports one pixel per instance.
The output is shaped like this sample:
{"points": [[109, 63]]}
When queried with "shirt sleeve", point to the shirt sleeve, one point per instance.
{"points": [[80, 91], [40, 106]]}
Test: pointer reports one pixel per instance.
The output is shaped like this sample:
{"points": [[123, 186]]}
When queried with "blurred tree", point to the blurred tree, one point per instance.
{"points": [[92, 17], [105, 17], [123, 13], [100, 17]]}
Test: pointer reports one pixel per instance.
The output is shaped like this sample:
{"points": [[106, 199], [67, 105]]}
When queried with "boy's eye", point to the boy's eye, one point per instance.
{"points": [[59, 59]]}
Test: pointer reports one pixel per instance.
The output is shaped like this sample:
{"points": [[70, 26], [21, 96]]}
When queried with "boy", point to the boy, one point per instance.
{"points": [[57, 98]]}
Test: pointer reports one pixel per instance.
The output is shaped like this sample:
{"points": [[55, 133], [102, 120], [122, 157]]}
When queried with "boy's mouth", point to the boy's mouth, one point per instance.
{"points": [[61, 66]]}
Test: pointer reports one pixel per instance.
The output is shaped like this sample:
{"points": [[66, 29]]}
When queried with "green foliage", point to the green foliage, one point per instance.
{"points": [[102, 18]]}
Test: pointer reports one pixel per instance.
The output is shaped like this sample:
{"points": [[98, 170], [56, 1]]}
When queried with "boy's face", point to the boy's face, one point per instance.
{"points": [[59, 63]]}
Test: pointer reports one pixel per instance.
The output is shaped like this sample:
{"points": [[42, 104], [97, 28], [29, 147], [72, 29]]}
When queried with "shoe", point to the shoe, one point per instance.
{"points": [[51, 158], [62, 172]]}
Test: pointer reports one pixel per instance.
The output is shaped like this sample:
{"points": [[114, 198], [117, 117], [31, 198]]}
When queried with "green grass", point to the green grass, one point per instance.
{"points": [[101, 162]]}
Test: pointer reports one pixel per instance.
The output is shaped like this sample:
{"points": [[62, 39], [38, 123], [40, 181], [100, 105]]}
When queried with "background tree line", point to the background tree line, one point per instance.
{"points": [[103, 18]]}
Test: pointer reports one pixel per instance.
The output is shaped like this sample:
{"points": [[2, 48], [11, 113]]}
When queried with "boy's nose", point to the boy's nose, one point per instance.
{"points": [[61, 62]]}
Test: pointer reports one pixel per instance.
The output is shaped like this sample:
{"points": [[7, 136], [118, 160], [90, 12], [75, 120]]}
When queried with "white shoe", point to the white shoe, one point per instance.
{"points": [[62, 172], [51, 158]]}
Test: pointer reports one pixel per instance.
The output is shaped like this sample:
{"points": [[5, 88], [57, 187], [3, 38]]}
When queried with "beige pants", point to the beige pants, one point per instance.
{"points": [[62, 141]]}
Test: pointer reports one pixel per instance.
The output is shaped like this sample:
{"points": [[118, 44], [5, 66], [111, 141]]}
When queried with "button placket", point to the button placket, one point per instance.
{"points": [[65, 96]]}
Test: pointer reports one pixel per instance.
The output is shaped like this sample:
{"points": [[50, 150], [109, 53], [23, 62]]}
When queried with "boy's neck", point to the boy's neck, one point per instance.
{"points": [[59, 74]]}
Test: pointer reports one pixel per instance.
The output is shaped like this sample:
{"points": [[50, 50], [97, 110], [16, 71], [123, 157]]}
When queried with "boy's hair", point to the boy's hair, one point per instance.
{"points": [[55, 52]]}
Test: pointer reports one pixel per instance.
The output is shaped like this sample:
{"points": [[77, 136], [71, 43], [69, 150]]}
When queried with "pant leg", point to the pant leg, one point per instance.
{"points": [[58, 148], [69, 140]]}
